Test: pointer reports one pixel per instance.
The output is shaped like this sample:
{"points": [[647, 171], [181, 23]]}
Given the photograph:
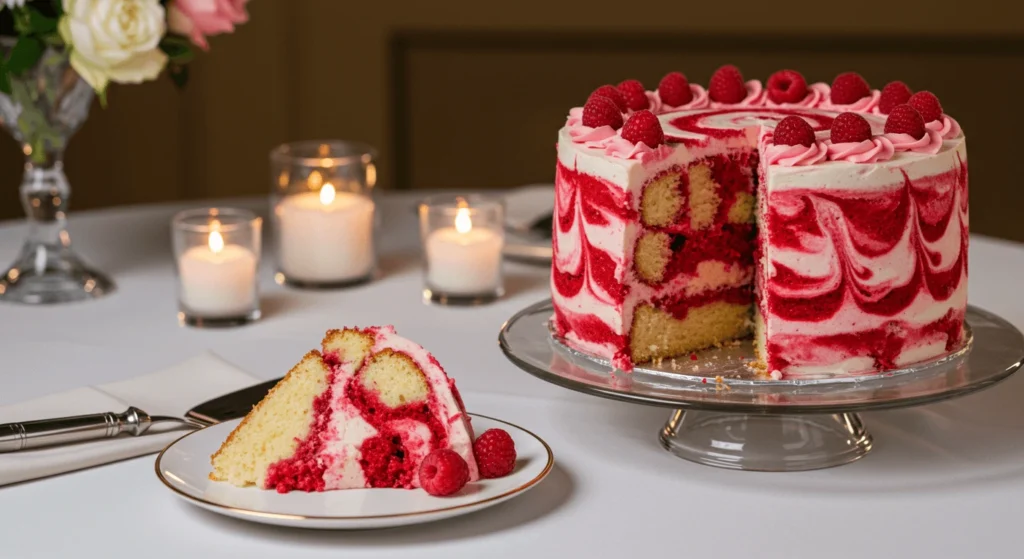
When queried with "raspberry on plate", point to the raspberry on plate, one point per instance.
{"points": [[849, 127], [787, 86], [905, 119], [894, 93], [644, 127], [443, 472], [610, 92], [495, 453], [848, 88], [601, 111], [793, 131], [927, 104], [674, 90], [635, 95], [726, 85]]}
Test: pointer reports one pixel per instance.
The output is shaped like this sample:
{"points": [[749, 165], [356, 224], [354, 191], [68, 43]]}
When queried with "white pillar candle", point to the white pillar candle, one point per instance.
{"points": [[218, 280], [464, 260], [325, 236]]}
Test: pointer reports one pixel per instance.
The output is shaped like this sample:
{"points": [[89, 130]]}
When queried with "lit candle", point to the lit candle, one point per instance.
{"points": [[218, 280], [325, 236], [464, 260]]}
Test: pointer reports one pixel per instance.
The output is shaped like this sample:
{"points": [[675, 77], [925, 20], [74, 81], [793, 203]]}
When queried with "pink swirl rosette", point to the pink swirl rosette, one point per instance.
{"points": [[756, 97], [931, 142], [945, 126], [817, 93], [796, 156], [874, 150], [700, 100], [608, 140], [863, 105]]}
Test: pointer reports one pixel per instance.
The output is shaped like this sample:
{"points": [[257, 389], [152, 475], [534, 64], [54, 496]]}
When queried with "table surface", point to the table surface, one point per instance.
{"points": [[944, 480]]}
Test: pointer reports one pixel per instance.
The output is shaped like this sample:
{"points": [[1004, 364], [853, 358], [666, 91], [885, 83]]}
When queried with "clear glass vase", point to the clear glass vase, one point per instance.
{"points": [[48, 103]]}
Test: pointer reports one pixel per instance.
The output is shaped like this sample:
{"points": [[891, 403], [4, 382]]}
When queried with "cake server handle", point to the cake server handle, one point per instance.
{"points": [[27, 435]]}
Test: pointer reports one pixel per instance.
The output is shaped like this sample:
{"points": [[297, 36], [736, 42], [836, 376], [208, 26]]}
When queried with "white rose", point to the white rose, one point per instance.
{"points": [[114, 40], [11, 4]]}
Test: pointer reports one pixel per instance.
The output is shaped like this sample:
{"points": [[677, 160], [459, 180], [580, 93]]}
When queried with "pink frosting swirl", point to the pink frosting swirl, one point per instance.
{"points": [[863, 105], [699, 101], [817, 93], [874, 150], [931, 142], [796, 156], [610, 142], [945, 126], [756, 97]]}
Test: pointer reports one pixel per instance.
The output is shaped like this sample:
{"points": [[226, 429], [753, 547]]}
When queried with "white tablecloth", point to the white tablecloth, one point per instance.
{"points": [[944, 480]]}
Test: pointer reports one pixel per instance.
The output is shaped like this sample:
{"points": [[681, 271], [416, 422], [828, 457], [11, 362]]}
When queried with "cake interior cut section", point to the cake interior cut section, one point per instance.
{"points": [[366, 410]]}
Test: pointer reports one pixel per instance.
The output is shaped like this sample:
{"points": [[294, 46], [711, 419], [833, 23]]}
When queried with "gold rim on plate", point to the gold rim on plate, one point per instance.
{"points": [[278, 516]]}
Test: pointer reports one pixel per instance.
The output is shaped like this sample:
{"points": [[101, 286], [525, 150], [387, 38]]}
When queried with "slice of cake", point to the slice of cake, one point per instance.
{"points": [[362, 412]]}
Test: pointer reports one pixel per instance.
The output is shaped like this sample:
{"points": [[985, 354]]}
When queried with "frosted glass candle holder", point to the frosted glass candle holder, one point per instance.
{"points": [[217, 251], [323, 213], [463, 238]]}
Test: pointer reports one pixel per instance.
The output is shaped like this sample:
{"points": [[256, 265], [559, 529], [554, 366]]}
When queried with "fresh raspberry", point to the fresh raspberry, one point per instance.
{"points": [[850, 127], [849, 88], [443, 472], [793, 131], [726, 85], [904, 119], [644, 127], [635, 95], [601, 111], [495, 453], [894, 93], [787, 86], [610, 92], [927, 104], [674, 90]]}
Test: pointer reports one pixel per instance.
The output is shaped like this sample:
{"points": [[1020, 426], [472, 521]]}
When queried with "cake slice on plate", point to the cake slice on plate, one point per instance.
{"points": [[362, 412]]}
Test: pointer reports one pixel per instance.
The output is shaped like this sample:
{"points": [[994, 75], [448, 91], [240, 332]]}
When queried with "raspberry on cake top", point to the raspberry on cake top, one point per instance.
{"points": [[830, 219]]}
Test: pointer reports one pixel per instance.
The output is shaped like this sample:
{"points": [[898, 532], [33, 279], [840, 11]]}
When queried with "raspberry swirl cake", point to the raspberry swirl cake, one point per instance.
{"points": [[363, 412], [830, 220]]}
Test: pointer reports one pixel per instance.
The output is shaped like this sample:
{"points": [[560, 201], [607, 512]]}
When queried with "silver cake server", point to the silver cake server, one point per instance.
{"points": [[26, 435]]}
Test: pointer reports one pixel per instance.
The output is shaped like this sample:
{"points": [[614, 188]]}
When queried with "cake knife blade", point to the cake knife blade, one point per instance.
{"points": [[232, 405]]}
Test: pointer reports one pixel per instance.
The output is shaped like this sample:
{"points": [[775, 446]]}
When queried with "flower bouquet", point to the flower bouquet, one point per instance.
{"points": [[55, 57]]}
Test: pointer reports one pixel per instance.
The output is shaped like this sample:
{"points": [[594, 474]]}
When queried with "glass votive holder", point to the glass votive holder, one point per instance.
{"points": [[323, 213], [463, 238], [217, 251]]}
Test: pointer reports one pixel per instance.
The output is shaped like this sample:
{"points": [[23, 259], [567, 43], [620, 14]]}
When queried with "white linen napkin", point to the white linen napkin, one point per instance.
{"points": [[524, 206], [172, 391]]}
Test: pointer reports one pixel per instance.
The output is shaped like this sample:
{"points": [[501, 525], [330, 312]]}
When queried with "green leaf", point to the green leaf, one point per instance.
{"points": [[177, 48], [39, 23], [179, 74], [24, 55]]}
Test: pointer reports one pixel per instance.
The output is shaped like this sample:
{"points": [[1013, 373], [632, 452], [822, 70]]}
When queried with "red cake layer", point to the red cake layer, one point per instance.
{"points": [[303, 471], [679, 305]]}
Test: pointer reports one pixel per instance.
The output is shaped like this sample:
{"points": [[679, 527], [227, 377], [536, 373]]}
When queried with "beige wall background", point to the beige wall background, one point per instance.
{"points": [[469, 94]]}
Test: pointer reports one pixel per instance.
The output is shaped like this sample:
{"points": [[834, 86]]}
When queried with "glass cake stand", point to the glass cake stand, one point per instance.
{"points": [[727, 415]]}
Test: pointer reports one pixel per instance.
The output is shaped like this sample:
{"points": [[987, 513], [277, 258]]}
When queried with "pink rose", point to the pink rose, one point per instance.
{"points": [[199, 18]]}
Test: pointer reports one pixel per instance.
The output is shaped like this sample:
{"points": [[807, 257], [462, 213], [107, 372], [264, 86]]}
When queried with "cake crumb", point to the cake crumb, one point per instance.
{"points": [[720, 383], [693, 357], [696, 368], [776, 375]]}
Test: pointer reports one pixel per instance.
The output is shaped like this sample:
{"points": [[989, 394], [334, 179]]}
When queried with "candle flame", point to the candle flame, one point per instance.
{"points": [[462, 222], [327, 194], [216, 242]]}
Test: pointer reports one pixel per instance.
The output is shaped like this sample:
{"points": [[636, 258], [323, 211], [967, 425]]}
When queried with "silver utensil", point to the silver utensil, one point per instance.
{"points": [[27, 435], [66, 430]]}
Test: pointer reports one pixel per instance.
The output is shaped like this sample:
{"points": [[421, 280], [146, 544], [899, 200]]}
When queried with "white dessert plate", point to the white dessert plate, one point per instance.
{"points": [[524, 208], [184, 467]]}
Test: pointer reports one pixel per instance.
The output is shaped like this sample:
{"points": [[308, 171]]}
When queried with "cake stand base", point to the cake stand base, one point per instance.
{"points": [[765, 443]]}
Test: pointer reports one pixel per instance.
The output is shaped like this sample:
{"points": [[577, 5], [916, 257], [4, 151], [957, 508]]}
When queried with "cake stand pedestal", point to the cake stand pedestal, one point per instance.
{"points": [[726, 415]]}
